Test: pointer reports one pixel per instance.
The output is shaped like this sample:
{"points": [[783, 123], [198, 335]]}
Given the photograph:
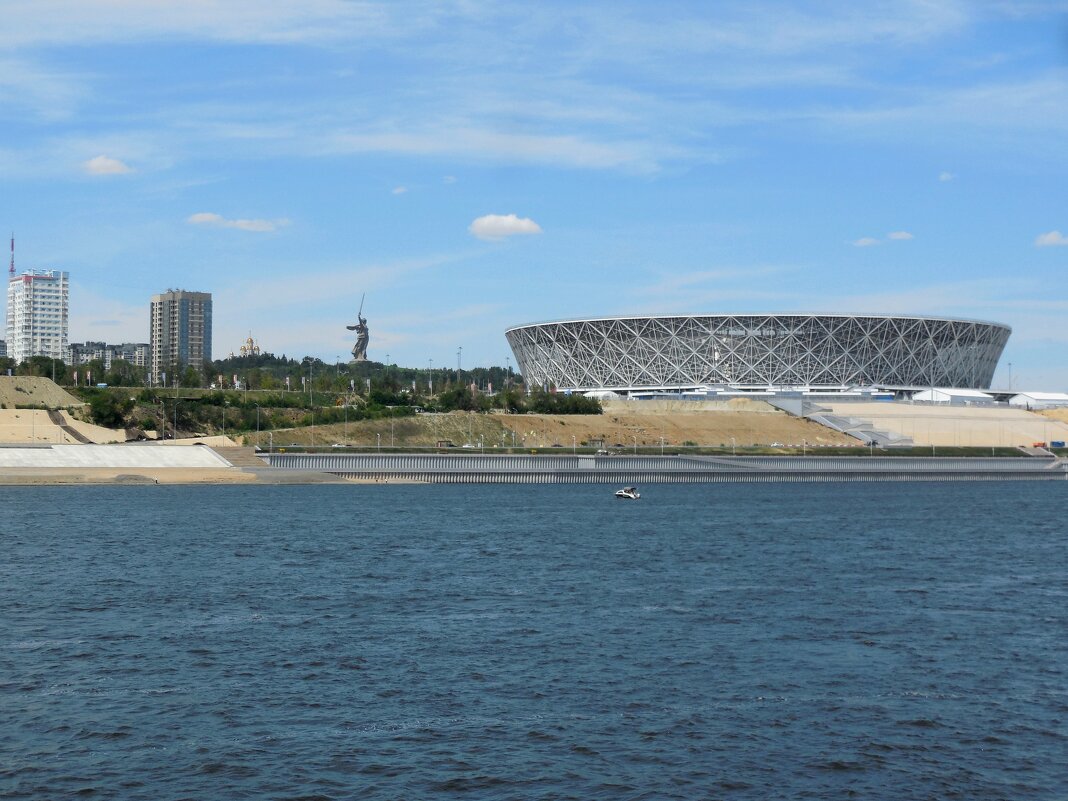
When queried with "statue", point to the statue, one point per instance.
{"points": [[359, 350]]}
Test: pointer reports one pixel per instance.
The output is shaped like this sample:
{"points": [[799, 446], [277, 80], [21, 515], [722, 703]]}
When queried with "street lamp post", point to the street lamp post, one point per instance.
{"points": [[378, 438], [635, 438], [392, 442], [257, 424], [573, 445], [734, 447]]}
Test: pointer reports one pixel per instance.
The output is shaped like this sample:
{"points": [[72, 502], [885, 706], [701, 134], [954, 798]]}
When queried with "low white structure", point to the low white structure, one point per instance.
{"points": [[953, 395], [1039, 400], [113, 456]]}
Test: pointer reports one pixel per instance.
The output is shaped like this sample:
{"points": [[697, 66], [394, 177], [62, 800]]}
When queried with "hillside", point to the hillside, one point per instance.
{"points": [[624, 424], [25, 391]]}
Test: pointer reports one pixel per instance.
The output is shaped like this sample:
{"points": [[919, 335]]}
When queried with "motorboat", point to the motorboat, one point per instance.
{"points": [[628, 492]]}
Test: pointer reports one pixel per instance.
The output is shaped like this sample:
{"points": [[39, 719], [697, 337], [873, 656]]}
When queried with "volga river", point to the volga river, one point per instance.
{"points": [[894, 641]]}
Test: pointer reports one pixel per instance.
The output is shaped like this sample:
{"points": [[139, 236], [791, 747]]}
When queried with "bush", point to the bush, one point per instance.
{"points": [[110, 410]]}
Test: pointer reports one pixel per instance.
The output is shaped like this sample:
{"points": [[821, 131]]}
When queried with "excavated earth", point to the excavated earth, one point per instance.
{"points": [[624, 424]]}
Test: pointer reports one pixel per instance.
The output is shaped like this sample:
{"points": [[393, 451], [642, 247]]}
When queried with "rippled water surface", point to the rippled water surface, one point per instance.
{"points": [[717, 641]]}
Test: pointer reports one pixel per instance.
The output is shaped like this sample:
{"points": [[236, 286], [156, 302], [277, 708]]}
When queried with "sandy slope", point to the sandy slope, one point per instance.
{"points": [[19, 426], [30, 391], [644, 423]]}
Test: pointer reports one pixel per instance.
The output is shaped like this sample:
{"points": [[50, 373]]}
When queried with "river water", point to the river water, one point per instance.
{"points": [[380, 642]]}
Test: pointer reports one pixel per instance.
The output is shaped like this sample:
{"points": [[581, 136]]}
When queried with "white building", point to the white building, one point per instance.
{"points": [[37, 310], [136, 353], [1039, 400], [953, 395]]}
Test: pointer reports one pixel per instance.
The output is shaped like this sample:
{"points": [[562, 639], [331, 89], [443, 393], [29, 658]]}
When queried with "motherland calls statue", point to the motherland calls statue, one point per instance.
{"points": [[359, 350]]}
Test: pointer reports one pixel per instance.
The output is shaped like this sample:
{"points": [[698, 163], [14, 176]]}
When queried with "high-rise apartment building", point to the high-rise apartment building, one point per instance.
{"points": [[37, 310], [180, 331]]}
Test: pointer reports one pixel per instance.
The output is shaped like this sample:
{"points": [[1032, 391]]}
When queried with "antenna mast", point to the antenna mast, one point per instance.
{"points": [[11, 269]]}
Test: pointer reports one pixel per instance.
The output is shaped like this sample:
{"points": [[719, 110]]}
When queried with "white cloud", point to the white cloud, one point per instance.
{"points": [[399, 190], [485, 144], [893, 236], [945, 177], [105, 165], [218, 221], [691, 290], [1052, 238], [449, 179], [493, 227], [319, 287], [39, 91], [83, 21]]}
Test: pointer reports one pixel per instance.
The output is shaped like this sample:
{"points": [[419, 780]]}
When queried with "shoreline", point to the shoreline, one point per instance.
{"points": [[100, 476], [110, 465]]}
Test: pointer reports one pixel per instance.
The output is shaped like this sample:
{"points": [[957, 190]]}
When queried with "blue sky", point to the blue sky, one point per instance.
{"points": [[476, 165]]}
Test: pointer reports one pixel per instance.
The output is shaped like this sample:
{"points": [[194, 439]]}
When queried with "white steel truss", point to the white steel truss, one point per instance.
{"points": [[759, 350]]}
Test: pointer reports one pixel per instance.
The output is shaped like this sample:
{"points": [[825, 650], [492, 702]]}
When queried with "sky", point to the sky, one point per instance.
{"points": [[463, 167]]}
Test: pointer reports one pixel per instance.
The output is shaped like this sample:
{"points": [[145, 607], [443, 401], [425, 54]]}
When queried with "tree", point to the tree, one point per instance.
{"points": [[190, 377], [45, 367], [559, 403], [460, 397], [94, 368], [124, 374], [110, 409]]}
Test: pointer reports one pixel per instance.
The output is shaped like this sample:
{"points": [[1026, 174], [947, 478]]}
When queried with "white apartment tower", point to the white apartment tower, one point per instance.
{"points": [[37, 310], [180, 331]]}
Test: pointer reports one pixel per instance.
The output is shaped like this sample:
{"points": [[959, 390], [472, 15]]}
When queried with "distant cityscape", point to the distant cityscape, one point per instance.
{"points": [[38, 309]]}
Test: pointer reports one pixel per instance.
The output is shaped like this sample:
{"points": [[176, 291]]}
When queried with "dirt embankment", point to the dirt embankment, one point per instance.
{"points": [[623, 424], [26, 391], [629, 423], [1060, 414]]}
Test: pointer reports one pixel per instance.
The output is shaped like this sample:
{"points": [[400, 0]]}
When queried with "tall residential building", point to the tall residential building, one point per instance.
{"points": [[180, 329], [37, 309]]}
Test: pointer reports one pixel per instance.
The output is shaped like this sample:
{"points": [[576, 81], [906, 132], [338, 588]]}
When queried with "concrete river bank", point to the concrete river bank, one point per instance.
{"points": [[568, 469]]}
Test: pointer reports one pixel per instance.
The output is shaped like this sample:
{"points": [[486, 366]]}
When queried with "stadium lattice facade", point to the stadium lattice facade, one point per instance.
{"points": [[758, 351]]}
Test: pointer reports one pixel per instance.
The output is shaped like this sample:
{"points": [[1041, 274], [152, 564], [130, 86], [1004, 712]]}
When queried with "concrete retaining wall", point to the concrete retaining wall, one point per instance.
{"points": [[519, 469]]}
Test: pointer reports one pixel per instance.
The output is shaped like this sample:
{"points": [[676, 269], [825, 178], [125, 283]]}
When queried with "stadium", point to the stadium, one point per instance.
{"points": [[808, 352]]}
